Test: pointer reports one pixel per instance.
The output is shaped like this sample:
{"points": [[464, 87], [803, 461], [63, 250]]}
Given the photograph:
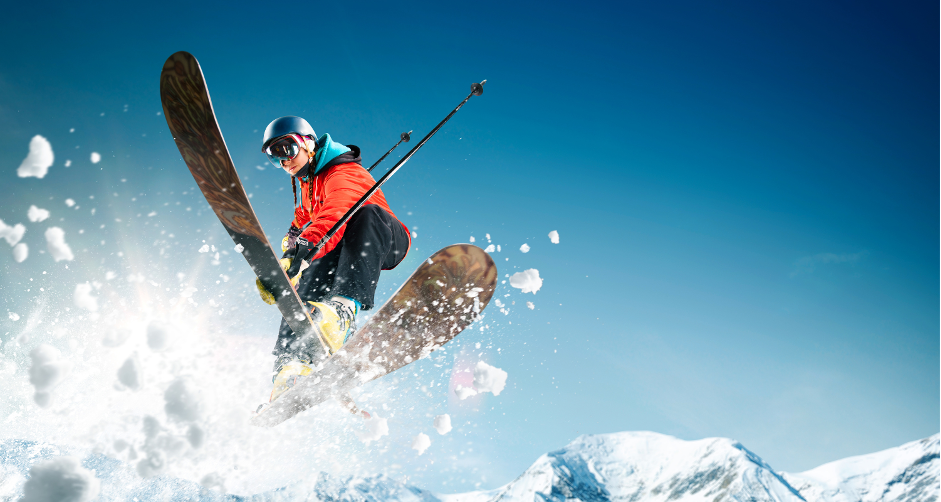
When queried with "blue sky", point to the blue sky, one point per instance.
{"points": [[746, 194]]}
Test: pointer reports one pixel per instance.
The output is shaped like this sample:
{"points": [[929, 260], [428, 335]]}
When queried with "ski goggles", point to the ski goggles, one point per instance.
{"points": [[284, 148]]}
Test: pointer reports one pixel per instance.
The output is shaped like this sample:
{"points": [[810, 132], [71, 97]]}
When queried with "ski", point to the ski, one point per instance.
{"points": [[188, 110], [445, 295]]}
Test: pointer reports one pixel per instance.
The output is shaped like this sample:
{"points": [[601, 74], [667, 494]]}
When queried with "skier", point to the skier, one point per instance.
{"points": [[341, 278]]}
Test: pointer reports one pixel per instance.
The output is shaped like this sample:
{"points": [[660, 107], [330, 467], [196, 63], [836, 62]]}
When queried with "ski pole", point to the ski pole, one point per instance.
{"points": [[476, 90], [405, 137]]}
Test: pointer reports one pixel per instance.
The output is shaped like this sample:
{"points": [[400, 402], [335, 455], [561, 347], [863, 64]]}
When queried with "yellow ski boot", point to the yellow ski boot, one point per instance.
{"points": [[287, 373], [335, 321]]}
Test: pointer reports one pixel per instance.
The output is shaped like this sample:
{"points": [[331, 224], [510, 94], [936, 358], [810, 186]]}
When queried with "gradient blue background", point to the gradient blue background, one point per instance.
{"points": [[747, 193]]}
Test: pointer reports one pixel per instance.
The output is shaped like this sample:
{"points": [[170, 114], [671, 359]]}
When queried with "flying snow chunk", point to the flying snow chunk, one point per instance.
{"points": [[69, 202], [472, 238], [129, 373], [46, 372], [20, 252], [60, 479], [443, 424], [195, 435], [95, 157], [36, 214], [115, 337], [373, 429], [38, 160], [421, 442], [213, 480], [158, 337], [491, 248], [527, 280], [239, 248], [83, 298], [530, 306], [464, 392], [204, 249], [554, 237], [182, 402], [12, 234], [489, 379], [14, 316], [55, 241], [524, 248]]}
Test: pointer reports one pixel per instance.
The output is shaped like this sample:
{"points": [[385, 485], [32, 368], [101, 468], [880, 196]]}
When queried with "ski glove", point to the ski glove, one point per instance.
{"points": [[266, 295], [289, 239], [303, 251]]}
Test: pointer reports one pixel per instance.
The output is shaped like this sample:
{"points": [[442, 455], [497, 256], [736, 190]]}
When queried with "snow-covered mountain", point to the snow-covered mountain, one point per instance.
{"points": [[646, 466], [626, 466], [909, 472]]}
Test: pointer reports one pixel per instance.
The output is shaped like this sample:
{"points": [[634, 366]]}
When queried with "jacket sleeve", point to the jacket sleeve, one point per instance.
{"points": [[343, 186]]}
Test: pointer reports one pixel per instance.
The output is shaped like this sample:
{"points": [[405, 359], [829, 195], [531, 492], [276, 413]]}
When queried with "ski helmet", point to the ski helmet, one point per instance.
{"points": [[287, 125]]}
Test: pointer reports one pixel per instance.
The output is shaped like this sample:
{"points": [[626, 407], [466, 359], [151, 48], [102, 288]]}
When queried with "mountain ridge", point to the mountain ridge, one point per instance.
{"points": [[623, 466]]}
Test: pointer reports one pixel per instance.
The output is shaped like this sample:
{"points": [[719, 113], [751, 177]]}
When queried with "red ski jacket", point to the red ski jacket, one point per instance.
{"points": [[335, 190]]}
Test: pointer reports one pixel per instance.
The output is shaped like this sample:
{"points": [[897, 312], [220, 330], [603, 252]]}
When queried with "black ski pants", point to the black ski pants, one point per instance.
{"points": [[373, 241]]}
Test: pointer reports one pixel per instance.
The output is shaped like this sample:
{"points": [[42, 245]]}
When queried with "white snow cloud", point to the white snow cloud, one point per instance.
{"points": [[36, 214], [95, 157], [38, 160], [554, 237], [524, 248], [46, 371], [464, 392], [373, 429], [489, 379], [12, 234], [20, 252], [115, 337], [182, 402], [129, 373], [443, 424], [55, 241], [527, 280], [83, 298], [421, 442], [60, 479], [158, 337]]}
